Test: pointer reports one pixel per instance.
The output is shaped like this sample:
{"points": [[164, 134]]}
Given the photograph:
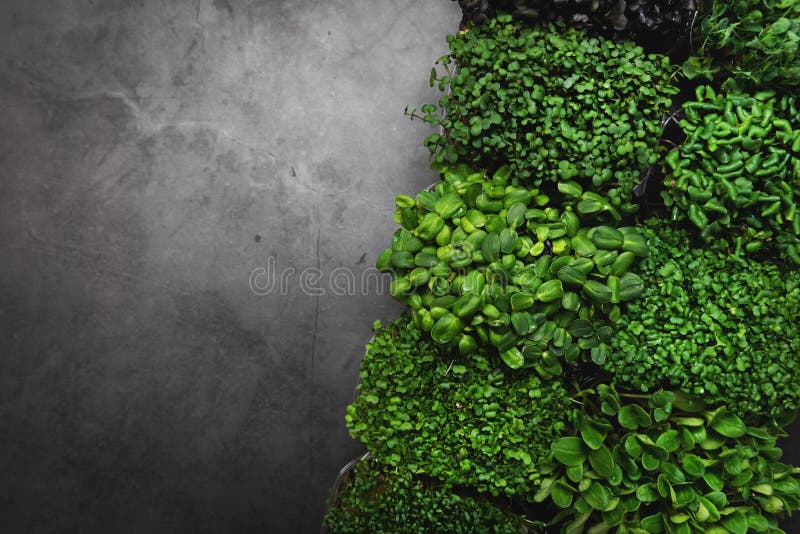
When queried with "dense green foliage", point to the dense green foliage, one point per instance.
{"points": [[665, 463], [464, 420], [755, 40], [518, 258], [375, 501], [484, 263], [737, 175], [726, 330], [553, 104]]}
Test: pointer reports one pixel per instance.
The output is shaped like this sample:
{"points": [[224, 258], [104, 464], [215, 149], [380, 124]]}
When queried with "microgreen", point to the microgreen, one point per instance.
{"points": [[553, 104], [483, 263], [664, 462], [721, 329], [755, 40], [379, 501], [464, 421], [737, 175]]}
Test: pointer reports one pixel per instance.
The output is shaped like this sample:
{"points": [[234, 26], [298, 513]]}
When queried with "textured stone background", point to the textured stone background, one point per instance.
{"points": [[152, 156]]}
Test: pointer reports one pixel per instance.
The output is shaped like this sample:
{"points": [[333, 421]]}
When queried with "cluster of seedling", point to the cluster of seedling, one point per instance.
{"points": [[460, 420], [721, 328], [738, 172], [662, 462], [755, 41], [552, 104], [374, 500], [594, 371], [481, 262]]}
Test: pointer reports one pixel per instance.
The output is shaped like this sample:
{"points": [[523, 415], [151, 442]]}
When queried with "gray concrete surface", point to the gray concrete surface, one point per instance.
{"points": [[153, 155]]}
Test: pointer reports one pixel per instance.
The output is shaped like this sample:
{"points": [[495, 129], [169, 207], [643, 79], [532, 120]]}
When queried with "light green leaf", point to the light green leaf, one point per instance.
{"points": [[513, 358], [713, 481], [576, 526], [544, 489]]}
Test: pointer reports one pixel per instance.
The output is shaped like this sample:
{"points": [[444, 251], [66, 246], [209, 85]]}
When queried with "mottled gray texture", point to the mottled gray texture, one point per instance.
{"points": [[152, 155]]}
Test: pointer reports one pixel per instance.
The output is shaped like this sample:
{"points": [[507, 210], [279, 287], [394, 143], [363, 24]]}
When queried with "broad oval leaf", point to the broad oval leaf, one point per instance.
{"points": [[650, 462], [647, 493], [713, 481], [669, 440], [544, 489], [653, 523], [522, 301], [632, 416], [513, 358], [570, 450], [561, 494], [688, 403], [728, 424], [446, 329], [673, 473], [575, 473], [592, 435], [693, 465], [550, 291], [601, 461], [713, 512], [736, 522], [597, 496]]}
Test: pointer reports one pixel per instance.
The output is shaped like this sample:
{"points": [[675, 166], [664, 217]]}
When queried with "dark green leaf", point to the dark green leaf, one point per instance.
{"points": [[688, 403], [693, 465], [592, 435], [632, 446], [569, 451], [728, 424], [575, 473], [650, 462], [602, 461], [597, 495], [673, 473], [757, 522], [789, 485], [714, 482], [632, 416], [647, 493], [718, 498], [561, 495], [653, 523], [669, 440]]}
